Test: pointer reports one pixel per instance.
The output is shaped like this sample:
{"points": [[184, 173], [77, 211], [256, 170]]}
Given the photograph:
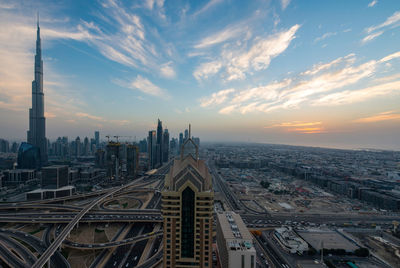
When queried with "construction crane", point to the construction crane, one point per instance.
{"points": [[118, 136], [108, 138]]}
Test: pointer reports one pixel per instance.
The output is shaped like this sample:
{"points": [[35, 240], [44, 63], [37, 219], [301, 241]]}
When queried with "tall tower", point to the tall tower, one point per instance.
{"points": [[37, 122], [159, 146], [187, 208]]}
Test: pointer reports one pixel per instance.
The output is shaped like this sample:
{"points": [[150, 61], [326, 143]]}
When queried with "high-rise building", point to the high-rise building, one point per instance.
{"points": [[187, 208], [151, 143], [78, 147], [186, 135], [97, 138], [234, 242], [132, 160], [37, 122], [113, 159], [100, 158], [86, 147], [173, 146], [165, 146], [143, 146], [180, 141], [28, 156], [4, 146], [159, 146]]}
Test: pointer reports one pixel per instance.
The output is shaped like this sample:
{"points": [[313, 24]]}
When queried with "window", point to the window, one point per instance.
{"points": [[242, 261], [252, 262], [187, 231]]}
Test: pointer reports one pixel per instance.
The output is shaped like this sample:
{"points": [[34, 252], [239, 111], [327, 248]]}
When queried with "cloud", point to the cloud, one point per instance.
{"points": [[237, 62], [371, 37], [354, 96], [393, 21], [384, 116], [300, 127], [221, 36], [388, 22], [373, 3], [324, 36], [167, 70], [284, 4], [89, 116], [147, 87], [321, 85], [208, 6], [207, 69], [216, 98]]}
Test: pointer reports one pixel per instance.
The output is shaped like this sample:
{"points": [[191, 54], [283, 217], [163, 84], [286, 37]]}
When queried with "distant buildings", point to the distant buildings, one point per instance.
{"points": [[187, 207], [234, 242], [159, 146]]}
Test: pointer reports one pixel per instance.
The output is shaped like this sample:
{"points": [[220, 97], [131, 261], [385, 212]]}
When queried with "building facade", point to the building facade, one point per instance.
{"points": [[187, 208], [234, 242]]}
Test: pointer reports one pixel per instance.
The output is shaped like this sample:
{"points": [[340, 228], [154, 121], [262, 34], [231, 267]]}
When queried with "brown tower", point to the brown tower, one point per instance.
{"points": [[187, 207]]}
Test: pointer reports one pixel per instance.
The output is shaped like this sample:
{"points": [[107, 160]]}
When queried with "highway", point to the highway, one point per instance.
{"points": [[65, 232], [111, 244]]}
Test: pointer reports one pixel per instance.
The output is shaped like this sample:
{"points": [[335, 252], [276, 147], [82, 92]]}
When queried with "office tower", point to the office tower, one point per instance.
{"points": [[132, 160], [28, 156], [159, 146], [234, 242], [180, 141], [113, 159], [165, 146], [86, 146], [97, 138], [4, 146], [151, 145], [14, 147], [186, 135], [100, 158], [187, 208], [37, 122], [54, 177], [173, 146], [78, 147], [143, 146]]}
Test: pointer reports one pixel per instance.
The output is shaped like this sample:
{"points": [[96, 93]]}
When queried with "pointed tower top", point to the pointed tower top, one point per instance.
{"points": [[190, 130], [38, 19]]}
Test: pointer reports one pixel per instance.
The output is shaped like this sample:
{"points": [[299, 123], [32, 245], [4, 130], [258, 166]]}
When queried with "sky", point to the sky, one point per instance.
{"points": [[315, 73]]}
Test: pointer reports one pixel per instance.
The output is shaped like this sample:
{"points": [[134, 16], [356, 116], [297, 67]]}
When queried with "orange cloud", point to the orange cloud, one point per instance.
{"points": [[300, 127], [385, 116]]}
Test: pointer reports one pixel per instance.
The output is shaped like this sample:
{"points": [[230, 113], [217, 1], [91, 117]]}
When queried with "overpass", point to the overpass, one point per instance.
{"points": [[111, 244], [66, 231]]}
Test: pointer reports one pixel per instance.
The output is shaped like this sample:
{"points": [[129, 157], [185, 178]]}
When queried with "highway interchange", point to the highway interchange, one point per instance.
{"points": [[138, 243]]}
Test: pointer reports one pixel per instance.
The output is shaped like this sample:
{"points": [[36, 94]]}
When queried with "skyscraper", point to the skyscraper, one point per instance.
{"points": [[151, 143], [165, 145], [132, 160], [187, 208], [180, 141], [97, 138], [37, 122], [159, 146]]}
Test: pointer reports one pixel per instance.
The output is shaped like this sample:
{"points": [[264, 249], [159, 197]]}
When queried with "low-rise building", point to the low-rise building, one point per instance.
{"points": [[234, 242], [289, 240]]}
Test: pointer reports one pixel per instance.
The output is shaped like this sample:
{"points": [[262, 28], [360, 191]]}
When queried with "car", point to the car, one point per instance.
{"points": [[127, 264], [135, 258]]}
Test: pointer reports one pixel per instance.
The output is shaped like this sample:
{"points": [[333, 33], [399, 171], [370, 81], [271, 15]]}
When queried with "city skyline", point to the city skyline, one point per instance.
{"points": [[269, 71]]}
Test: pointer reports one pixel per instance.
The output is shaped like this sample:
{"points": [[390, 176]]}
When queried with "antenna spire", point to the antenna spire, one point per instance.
{"points": [[38, 19], [190, 131]]}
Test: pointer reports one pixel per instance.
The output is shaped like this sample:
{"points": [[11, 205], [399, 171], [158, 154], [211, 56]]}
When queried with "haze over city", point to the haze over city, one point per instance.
{"points": [[318, 73]]}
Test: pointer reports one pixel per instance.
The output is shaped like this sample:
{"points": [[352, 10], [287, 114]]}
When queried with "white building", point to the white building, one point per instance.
{"points": [[234, 242], [289, 241]]}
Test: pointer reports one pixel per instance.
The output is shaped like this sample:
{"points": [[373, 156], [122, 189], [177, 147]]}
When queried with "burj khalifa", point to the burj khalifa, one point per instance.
{"points": [[37, 121]]}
